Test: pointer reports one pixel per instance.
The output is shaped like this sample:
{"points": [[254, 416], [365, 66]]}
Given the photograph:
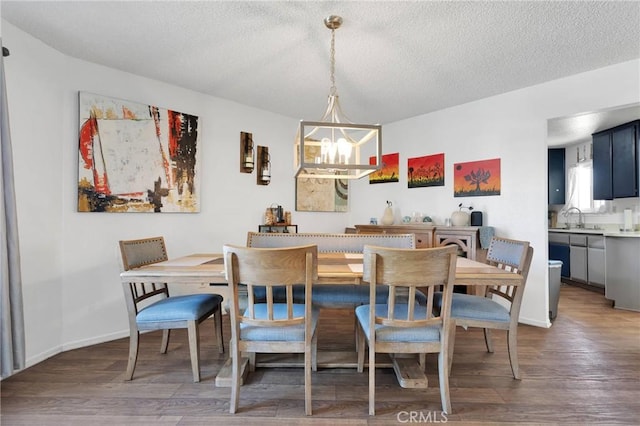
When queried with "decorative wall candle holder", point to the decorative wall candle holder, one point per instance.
{"points": [[246, 152], [263, 176]]}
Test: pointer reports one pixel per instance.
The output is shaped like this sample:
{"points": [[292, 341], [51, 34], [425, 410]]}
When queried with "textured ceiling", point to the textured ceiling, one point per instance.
{"points": [[394, 60]]}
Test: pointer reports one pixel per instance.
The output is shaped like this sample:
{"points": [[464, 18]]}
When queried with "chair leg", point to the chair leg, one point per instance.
{"points": [[452, 344], [314, 351], [361, 349], [134, 339], [487, 340], [512, 346], [194, 349], [235, 377], [308, 354], [217, 317], [164, 345], [356, 327], [443, 377], [372, 381], [252, 361]]}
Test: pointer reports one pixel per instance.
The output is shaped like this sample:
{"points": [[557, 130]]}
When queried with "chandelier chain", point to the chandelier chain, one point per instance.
{"points": [[333, 89]]}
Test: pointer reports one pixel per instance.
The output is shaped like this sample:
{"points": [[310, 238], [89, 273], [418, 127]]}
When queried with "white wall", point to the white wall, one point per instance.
{"points": [[512, 127], [70, 260], [36, 130]]}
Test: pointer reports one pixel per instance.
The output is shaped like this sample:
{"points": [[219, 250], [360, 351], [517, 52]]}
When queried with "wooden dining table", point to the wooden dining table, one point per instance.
{"points": [[333, 268]]}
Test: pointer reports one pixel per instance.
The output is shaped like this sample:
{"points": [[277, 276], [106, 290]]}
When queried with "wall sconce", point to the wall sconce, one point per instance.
{"points": [[246, 152], [264, 166]]}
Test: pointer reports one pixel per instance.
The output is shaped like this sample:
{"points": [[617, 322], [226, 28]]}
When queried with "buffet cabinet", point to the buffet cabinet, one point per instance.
{"points": [[465, 237], [423, 233]]}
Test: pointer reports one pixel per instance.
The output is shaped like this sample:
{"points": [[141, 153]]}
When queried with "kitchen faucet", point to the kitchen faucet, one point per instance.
{"points": [[580, 223]]}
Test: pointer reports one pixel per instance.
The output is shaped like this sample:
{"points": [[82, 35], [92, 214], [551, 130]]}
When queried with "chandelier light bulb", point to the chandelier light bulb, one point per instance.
{"points": [[344, 150]]}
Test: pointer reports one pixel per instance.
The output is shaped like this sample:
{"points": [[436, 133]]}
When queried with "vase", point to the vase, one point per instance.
{"points": [[459, 218], [387, 217]]}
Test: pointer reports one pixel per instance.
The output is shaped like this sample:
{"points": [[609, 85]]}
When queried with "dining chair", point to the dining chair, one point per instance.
{"points": [[496, 307], [402, 325], [272, 327], [150, 307]]}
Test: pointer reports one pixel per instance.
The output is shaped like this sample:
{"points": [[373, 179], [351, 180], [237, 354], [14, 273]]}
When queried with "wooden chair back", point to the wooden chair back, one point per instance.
{"points": [[137, 253], [514, 256], [145, 251], [282, 267], [403, 271]]}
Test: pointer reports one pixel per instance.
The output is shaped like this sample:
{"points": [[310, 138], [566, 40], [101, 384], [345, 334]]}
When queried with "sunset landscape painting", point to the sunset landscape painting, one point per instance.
{"points": [[425, 171], [476, 178], [389, 171]]}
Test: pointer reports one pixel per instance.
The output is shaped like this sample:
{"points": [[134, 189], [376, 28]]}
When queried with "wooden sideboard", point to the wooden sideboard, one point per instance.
{"points": [[423, 233], [465, 237]]}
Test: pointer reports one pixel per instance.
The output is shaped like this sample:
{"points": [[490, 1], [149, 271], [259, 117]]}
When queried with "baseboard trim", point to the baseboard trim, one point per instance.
{"points": [[74, 345], [595, 289], [535, 322]]}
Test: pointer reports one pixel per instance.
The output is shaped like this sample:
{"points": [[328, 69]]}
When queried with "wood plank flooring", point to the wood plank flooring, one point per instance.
{"points": [[584, 369]]}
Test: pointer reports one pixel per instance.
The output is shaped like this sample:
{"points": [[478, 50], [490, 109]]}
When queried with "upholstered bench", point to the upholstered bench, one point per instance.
{"points": [[333, 295]]}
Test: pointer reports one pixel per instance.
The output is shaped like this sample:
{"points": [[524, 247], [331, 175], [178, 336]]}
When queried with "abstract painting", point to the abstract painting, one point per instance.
{"points": [[425, 171], [135, 157], [320, 195], [476, 178], [389, 171]]}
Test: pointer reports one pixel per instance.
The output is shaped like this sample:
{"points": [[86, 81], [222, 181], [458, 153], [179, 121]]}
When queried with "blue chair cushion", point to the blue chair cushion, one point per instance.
{"points": [[179, 308], [398, 334], [292, 333], [468, 306], [352, 295], [332, 296], [279, 294]]}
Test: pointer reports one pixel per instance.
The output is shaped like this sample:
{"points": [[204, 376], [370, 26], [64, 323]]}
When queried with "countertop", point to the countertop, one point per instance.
{"points": [[607, 232]]}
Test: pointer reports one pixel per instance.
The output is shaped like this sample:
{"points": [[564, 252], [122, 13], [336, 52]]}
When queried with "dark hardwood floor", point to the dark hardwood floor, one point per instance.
{"points": [[585, 369]]}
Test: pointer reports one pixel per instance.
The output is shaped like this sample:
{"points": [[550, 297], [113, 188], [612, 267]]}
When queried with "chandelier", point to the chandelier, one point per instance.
{"points": [[334, 147]]}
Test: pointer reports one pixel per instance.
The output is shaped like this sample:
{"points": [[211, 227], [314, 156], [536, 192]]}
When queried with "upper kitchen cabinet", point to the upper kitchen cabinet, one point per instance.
{"points": [[602, 177], [556, 163], [615, 162]]}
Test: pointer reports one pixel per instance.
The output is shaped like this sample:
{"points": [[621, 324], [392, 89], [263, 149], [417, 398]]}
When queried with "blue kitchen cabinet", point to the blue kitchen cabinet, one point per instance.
{"points": [[616, 166]]}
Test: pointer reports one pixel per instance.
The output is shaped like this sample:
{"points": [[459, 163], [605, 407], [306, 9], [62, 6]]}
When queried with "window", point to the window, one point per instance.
{"points": [[580, 190]]}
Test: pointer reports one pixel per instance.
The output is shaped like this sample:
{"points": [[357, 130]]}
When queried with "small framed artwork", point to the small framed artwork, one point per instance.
{"points": [[476, 178], [425, 171], [320, 195], [389, 171]]}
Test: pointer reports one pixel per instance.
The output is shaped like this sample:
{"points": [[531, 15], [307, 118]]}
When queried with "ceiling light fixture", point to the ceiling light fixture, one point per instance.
{"points": [[334, 147]]}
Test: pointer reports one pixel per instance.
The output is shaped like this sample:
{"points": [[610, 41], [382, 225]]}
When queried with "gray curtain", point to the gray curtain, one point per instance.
{"points": [[12, 348]]}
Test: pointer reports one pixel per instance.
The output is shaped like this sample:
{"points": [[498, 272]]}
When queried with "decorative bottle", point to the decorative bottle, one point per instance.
{"points": [[387, 217]]}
